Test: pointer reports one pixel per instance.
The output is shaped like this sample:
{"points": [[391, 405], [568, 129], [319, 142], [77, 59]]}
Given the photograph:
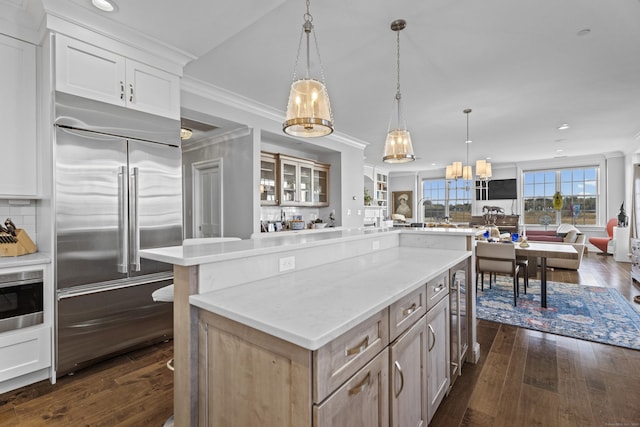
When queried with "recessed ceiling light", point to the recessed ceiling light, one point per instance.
{"points": [[105, 5], [564, 126]]}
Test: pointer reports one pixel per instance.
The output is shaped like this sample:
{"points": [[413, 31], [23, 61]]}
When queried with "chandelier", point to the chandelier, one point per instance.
{"points": [[457, 170]]}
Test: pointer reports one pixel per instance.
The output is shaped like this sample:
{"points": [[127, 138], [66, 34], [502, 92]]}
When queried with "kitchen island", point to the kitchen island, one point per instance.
{"points": [[285, 327]]}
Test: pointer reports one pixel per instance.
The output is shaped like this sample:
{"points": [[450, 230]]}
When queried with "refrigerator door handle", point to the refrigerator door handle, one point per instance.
{"points": [[133, 220], [123, 253]]}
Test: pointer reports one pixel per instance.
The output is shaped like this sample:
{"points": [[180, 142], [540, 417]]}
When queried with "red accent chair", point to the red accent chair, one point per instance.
{"points": [[602, 242]]}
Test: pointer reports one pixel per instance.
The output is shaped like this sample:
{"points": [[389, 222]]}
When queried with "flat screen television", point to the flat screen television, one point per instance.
{"points": [[500, 189]]}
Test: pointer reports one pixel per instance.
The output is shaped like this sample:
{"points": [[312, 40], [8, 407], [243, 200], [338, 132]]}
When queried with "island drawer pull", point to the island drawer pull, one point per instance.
{"points": [[438, 288], [358, 348], [363, 384], [407, 311]]}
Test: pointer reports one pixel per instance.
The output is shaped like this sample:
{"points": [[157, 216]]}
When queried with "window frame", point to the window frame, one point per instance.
{"points": [[465, 186], [558, 170]]}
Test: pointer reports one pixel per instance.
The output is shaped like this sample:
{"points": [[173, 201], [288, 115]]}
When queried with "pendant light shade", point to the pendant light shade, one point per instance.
{"points": [[309, 108], [398, 147]]}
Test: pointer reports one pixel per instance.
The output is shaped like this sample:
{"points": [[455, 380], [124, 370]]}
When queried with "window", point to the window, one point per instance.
{"points": [[578, 188], [442, 198]]}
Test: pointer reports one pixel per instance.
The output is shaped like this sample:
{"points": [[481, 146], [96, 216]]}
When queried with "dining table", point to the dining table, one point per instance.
{"points": [[544, 251]]}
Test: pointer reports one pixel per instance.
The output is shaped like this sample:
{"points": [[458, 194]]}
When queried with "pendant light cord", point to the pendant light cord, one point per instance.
{"points": [[398, 95], [307, 28]]}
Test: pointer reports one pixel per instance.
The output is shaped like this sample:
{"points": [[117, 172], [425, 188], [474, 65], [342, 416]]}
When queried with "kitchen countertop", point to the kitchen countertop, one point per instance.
{"points": [[224, 251], [25, 260], [313, 306]]}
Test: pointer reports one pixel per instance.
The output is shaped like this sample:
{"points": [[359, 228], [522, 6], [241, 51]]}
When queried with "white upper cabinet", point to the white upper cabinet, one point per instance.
{"points": [[18, 175], [86, 70]]}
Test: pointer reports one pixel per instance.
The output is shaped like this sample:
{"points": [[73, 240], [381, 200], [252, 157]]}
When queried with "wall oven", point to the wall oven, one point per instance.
{"points": [[21, 300]]}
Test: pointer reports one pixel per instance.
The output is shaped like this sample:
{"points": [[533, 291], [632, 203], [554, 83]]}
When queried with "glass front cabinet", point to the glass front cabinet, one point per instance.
{"points": [[291, 181], [268, 179], [303, 182]]}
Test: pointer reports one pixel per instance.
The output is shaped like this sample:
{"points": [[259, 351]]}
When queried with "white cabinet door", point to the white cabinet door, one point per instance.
{"points": [[24, 351], [89, 71], [86, 70], [18, 175], [438, 354], [152, 90]]}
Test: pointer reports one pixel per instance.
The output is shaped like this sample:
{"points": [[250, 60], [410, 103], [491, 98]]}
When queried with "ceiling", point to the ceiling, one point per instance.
{"points": [[524, 67]]}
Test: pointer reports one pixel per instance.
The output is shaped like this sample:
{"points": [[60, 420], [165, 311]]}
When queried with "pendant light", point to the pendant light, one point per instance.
{"points": [[398, 147], [309, 109]]}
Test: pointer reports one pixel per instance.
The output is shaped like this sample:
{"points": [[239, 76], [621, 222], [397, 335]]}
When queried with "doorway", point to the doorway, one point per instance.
{"points": [[207, 198]]}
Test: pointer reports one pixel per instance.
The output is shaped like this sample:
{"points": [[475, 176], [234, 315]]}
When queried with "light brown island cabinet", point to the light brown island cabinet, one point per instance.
{"points": [[250, 378], [438, 369], [408, 358], [392, 369]]}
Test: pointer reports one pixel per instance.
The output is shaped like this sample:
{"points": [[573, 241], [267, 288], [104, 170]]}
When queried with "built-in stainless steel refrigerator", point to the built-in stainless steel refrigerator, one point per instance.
{"points": [[117, 190]]}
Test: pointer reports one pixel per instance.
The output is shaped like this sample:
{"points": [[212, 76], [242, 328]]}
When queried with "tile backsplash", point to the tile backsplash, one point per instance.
{"points": [[22, 213]]}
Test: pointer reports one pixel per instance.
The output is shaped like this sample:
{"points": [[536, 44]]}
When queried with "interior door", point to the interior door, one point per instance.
{"points": [[207, 199], [155, 202]]}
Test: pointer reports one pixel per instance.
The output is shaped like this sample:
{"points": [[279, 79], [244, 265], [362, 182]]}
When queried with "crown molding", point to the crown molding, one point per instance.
{"points": [[80, 23], [216, 139], [218, 94]]}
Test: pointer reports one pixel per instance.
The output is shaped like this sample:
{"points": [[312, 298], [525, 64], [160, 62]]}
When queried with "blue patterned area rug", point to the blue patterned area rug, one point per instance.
{"points": [[590, 313]]}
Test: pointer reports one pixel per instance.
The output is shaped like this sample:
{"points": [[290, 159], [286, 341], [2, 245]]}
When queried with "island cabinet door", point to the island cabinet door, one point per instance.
{"points": [[363, 401], [438, 346], [249, 378], [408, 360]]}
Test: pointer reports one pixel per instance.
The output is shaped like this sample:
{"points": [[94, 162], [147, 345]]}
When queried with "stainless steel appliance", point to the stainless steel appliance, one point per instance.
{"points": [[117, 190], [21, 300]]}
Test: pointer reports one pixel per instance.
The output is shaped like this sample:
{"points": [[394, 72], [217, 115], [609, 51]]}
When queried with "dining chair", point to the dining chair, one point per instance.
{"points": [[498, 258]]}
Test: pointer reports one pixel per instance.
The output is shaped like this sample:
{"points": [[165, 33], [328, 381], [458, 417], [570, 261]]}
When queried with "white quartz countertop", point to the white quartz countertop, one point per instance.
{"points": [[311, 307], [283, 241], [25, 260]]}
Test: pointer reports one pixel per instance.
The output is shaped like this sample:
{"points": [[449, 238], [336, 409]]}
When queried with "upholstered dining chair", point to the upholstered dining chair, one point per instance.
{"points": [[498, 258]]}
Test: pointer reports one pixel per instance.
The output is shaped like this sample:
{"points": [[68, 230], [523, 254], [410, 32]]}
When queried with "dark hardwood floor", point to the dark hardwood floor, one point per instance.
{"points": [[530, 378], [523, 378]]}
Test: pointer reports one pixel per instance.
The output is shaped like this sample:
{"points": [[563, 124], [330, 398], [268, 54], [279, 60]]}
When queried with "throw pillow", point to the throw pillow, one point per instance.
{"points": [[571, 237]]}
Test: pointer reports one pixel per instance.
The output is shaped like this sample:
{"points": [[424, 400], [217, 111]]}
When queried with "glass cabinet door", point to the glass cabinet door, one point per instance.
{"points": [[320, 187], [289, 182], [306, 174], [268, 191]]}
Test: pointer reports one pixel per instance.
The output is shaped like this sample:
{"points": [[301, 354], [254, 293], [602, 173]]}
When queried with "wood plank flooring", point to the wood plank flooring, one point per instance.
{"points": [[523, 378], [530, 378]]}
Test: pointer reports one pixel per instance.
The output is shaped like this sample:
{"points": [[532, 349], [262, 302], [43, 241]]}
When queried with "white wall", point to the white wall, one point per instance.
{"points": [[236, 151]]}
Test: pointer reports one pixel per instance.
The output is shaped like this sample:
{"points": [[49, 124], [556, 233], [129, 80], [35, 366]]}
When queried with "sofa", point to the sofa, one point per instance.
{"points": [[563, 235]]}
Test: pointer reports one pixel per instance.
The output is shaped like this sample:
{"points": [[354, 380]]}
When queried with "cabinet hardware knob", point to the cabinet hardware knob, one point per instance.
{"points": [[121, 89], [363, 384], [130, 93], [358, 348]]}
